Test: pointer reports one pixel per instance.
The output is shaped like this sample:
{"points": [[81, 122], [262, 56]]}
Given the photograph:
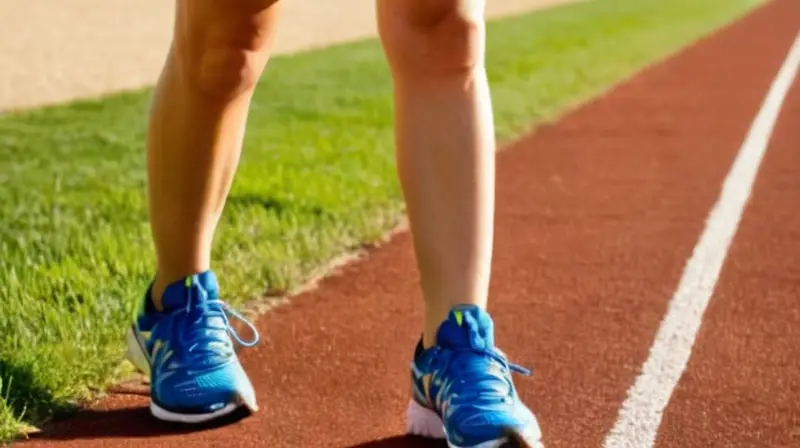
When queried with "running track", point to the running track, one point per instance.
{"points": [[597, 216]]}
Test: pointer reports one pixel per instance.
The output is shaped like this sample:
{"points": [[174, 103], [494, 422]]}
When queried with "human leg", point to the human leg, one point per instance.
{"points": [[197, 124], [445, 146], [181, 335], [446, 162]]}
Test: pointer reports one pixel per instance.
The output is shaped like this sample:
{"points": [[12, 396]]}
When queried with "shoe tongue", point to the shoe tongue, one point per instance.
{"points": [[200, 287], [467, 326]]}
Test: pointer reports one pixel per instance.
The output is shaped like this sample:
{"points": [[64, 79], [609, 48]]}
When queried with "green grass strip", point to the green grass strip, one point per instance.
{"points": [[317, 178]]}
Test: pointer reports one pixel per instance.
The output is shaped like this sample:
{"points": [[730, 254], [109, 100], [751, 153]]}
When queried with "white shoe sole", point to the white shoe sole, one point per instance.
{"points": [[421, 421]]}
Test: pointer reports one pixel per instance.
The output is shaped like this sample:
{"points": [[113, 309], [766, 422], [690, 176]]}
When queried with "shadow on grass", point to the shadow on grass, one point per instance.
{"points": [[277, 205], [25, 397], [127, 423]]}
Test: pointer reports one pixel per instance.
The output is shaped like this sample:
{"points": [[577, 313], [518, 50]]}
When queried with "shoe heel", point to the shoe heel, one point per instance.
{"points": [[421, 421], [135, 354]]}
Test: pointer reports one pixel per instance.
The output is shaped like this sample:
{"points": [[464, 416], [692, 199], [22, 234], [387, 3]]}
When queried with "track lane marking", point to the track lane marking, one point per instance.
{"points": [[640, 414]]}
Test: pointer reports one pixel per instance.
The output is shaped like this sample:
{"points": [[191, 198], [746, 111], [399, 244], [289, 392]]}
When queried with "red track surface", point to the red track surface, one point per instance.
{"points": [[597, 215]]}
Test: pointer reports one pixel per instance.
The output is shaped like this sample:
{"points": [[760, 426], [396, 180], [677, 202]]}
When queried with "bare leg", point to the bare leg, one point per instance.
{"points": [[445, 145], [446, 160], [197, 125]]}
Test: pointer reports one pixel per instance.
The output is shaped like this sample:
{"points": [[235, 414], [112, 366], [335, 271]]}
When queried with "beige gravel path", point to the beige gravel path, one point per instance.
{"points": [[56, 50]]}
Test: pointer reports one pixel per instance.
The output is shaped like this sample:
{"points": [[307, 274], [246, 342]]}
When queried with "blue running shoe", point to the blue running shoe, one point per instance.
{"points": [[188, 351], [471, 399]]}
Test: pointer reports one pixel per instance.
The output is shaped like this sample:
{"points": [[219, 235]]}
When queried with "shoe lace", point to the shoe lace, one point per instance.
{"points": [[476, 375], [200, 337]]}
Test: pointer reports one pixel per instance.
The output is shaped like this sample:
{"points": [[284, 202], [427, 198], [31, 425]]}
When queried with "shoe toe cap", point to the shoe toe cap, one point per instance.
{"points": [[208, 391], [484, 425]]}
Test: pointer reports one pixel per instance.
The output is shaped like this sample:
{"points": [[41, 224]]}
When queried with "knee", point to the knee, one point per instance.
{"points": [[226, 71], [433, 36], [223, 59]]}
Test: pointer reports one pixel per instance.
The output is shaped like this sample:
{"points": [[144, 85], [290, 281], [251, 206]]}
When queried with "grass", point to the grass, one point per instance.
{"points": [[317, 178]]}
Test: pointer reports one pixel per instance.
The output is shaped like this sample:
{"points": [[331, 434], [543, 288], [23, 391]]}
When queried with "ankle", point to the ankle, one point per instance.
{"points": [[156, 292], [437, 313], [163, 281], [428, 339]]}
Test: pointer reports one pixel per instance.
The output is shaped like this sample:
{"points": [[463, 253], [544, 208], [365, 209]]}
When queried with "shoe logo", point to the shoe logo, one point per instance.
{"points": [[418, 374], [419, 383], [157, 345], [163, 377], [163, 349]]}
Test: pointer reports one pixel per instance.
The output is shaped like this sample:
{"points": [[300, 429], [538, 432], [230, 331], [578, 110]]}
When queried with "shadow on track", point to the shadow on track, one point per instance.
{"points": [[402, 442], [135, 423]]}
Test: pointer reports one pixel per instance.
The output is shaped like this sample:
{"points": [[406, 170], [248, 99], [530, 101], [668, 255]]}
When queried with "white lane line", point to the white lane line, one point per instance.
{"points": [[640, 415]]}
